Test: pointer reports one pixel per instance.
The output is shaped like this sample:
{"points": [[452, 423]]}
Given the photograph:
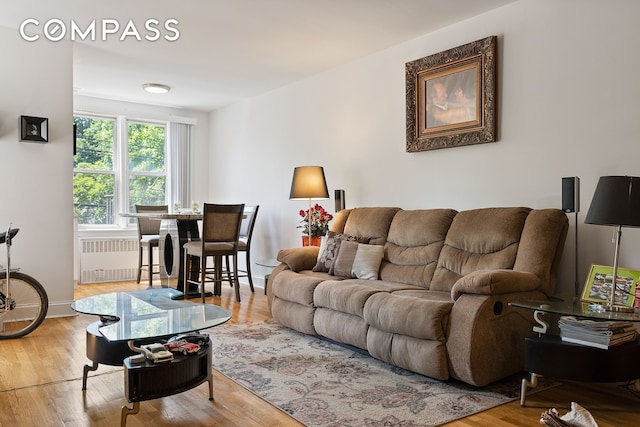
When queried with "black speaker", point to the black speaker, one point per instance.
{"points": [[571, 194], [339, 197]]}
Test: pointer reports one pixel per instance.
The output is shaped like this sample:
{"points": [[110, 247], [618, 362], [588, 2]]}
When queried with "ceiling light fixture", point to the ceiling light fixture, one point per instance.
{"points": [[156, 88]]}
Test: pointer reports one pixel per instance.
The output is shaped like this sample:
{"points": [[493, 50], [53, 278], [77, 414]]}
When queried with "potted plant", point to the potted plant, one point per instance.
{"points": [[314, 225]]}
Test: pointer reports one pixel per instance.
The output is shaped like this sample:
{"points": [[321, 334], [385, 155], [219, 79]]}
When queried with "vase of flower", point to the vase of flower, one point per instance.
{"points": [[314, 224]]}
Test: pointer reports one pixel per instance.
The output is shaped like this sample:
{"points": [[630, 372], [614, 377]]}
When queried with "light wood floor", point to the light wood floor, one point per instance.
{"points": [[41, 381]]}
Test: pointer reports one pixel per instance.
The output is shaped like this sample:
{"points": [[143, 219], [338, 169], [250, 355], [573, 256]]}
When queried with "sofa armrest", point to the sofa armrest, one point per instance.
{"points": [[298, 259], [494, 282], [485, 336]]}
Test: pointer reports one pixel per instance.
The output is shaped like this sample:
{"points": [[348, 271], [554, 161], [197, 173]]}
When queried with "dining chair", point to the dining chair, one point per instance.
{"points": [[244, 244], [220, 236], [148, 237]]}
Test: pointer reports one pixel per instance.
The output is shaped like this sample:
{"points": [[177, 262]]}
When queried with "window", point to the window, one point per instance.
{"points": [[118, 164], [147, 170], [94, 172]]}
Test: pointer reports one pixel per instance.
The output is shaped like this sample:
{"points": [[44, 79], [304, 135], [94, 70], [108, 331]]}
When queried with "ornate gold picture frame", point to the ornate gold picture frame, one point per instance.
{"points": [[451, 97]]}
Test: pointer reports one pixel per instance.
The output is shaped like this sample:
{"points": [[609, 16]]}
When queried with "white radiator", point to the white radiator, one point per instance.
{"points": [[108, 260]]}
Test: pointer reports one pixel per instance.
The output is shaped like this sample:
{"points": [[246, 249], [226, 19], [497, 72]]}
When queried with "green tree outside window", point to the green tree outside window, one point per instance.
{"points": [[95, 188]]}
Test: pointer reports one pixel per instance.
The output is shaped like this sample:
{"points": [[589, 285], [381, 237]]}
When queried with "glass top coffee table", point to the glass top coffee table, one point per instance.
{"points": [[151, 313], [128, 319], [548, 355]]}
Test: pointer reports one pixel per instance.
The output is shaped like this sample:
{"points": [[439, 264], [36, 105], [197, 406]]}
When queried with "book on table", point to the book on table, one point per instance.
{"points": [[594, 333]]}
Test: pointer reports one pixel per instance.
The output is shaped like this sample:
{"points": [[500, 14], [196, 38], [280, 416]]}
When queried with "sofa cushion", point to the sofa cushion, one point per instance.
{"points": [[329, 250], [480, 239], [341, 327], [372, 223], [414, 243], [429, 313], [426, 357], [541, 246], [296, 287], [293, 315], [339, 220], [350, 295], [358, 261]]}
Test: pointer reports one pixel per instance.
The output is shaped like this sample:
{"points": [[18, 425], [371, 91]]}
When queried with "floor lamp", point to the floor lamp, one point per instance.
{"points": [[616, 202], [308, 183]]}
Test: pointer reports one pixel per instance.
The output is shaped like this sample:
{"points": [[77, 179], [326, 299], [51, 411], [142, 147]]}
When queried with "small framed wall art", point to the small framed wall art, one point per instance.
{"points": [[598, 286], [34, 129], [451, 97]]}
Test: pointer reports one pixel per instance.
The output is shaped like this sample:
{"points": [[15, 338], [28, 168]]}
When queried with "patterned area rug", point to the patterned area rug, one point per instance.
{"points": [[321, 383]]}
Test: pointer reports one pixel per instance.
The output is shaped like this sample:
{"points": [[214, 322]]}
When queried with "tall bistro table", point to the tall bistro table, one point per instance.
{"points": [[176, 229], [548, 355], [129, 319]]}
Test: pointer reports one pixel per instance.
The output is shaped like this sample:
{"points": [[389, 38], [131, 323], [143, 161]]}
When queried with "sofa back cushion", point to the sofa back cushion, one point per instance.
{"points": [[414, 244], [479, 239], [339, 220], [541, 246], [371, 223]]}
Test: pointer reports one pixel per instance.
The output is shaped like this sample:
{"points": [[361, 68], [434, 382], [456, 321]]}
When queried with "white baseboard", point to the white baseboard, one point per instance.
{"points": [[60, 309]]}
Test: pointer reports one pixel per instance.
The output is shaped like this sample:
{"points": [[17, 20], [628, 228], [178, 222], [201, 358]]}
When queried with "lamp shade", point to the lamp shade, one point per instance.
{"points": [[308, 183], [616, 201]]}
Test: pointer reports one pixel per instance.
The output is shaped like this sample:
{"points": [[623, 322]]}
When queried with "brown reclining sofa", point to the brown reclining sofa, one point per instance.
{"points": [[438, 301]]}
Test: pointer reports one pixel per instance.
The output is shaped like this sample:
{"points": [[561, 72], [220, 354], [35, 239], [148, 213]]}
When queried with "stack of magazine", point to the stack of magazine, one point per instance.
{"points": [[596, 333]]}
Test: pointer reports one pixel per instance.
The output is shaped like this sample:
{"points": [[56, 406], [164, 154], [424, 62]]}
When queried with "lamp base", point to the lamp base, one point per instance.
{"points": [[618, 308]]}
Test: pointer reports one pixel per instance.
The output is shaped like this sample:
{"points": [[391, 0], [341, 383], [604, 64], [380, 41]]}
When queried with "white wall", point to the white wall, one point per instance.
{"points": [[36, 179], [568, 92]]}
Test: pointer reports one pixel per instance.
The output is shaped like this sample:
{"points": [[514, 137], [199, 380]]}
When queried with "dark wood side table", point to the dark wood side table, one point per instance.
{"points": [[548, 355]]}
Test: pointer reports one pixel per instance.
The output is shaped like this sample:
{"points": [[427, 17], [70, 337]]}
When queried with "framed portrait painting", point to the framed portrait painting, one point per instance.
{"points": [[451, 97]]}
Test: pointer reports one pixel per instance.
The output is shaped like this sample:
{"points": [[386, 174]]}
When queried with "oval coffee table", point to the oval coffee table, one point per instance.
{"points": [[133, 318]]}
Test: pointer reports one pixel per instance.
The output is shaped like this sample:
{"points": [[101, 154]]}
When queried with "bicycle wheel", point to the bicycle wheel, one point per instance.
{"points": [[26, 307]]}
